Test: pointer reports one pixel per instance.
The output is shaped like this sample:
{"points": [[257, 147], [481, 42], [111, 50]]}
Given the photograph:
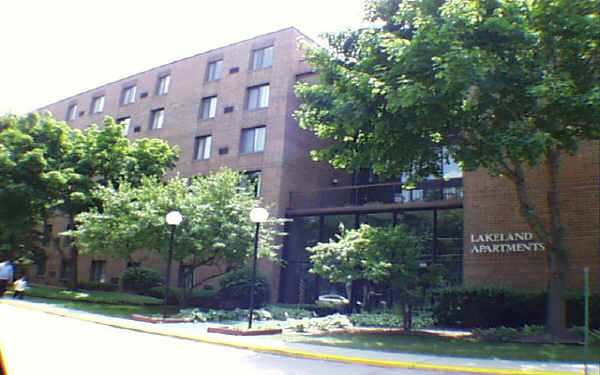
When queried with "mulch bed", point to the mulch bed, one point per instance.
{"points": [[243, 332]]}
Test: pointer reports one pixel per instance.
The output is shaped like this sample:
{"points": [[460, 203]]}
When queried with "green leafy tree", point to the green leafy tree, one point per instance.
{"points": [[501, 85], [390, 256], [48, 169], [33, 171], [103, 156], [409, 275], [216, 231]]}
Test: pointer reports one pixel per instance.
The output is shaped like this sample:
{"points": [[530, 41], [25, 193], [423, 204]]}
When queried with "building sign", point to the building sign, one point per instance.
{"points": [[518, 242]]}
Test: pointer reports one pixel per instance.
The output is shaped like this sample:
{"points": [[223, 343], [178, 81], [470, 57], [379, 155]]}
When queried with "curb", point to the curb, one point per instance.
{"points": [[148, 319], [289, 352]]}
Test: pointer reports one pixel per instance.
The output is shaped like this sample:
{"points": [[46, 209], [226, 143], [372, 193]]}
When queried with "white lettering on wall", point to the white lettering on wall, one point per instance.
{"points": [[518, 242]]}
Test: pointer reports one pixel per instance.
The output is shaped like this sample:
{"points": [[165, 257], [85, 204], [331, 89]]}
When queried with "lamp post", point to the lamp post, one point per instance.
{"points": [[173, 219], [257, 215]]}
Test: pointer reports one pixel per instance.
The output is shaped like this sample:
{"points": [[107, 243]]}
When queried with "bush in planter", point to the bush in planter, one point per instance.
{"points": [[140, 280], [174, 298], [203, 298], [235, 287], [96, 285]]}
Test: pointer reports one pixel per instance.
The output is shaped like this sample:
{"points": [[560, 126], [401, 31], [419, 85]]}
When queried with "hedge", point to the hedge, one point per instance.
{"points": [[496, 307], [96, 285]]}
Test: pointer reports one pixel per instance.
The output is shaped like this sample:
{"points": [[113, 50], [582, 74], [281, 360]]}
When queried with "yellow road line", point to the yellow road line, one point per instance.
{"points": [[290, 352]]}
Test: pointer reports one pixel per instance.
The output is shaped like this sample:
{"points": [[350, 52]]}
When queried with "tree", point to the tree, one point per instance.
{"points": [[389, 256], [50, 169], [345, 259], [216, 230], [409, 275], [33, 170], [501, 85]]}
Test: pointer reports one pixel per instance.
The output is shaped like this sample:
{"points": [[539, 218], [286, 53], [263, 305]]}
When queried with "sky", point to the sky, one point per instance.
{"points": [[53, 49]]}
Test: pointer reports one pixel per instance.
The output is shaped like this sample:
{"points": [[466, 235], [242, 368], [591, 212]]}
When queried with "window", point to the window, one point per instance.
{"points": [[157, 118], [126, 121], [262, 58], [209, 107], [40, 263], [258, 97], [128, 95], [214, 70], [97, 271], [253, 140], [202, 147], [98, 104], [65, 269], [47, 234], [72, 112], [252, 180], [162, 87]]}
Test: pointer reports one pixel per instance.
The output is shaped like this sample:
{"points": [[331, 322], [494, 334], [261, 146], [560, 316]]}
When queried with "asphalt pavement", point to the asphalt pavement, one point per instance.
{"points": [[272, 345]]}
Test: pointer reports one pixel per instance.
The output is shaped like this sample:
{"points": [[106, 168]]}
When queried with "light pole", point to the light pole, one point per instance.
{"points": [[257, 215], [173, 219]]}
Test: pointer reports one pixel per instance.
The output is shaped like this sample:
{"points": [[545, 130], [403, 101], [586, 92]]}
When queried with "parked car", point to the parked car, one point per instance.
{"points": [[334, 301]]}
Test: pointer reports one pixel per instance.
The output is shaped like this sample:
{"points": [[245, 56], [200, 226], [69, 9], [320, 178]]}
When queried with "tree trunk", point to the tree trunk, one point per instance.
{"points": [[408, 316], [552, 234], [353, 295], [13, 247], [406, 312], [74, 252], [557, 290], [558, 255]]}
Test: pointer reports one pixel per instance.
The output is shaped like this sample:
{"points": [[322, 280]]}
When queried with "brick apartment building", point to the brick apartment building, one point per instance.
{"points": [[232, 106]]}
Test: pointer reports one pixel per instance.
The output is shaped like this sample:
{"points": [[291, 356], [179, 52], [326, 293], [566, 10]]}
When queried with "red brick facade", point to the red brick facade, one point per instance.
{"points": [[284, 163], [491, 208]]}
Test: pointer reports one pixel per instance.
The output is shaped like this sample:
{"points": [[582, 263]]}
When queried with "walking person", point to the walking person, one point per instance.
{"points": [[20, 286], [6, 276]]}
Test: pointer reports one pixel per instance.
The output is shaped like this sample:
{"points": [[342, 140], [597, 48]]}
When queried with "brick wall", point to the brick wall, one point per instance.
{"points": [[490, 206], [285, 162]]}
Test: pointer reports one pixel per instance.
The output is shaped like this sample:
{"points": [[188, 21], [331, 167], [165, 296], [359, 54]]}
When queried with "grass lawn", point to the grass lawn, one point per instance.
{"points": [[118, 310], [53, 292], [98, 302], [457, 347]]}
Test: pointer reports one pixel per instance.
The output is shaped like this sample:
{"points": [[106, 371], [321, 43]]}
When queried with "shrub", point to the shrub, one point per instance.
{"points": [[203, 298], [140, 280], [283, 311], [95, 285], [235, 287], [497, 307], [503, 334], [575, 309], [376, 320], [159, 292]]}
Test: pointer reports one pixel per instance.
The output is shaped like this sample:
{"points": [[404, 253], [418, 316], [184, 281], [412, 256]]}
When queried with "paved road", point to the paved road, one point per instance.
{"points": [[34, 342]]}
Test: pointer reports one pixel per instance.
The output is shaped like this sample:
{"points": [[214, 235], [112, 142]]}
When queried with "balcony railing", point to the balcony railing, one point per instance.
{"points": [[376, 194]]}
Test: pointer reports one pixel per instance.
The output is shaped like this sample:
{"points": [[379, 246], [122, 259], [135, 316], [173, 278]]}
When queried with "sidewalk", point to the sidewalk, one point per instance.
{"points": [[271, 344]]}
